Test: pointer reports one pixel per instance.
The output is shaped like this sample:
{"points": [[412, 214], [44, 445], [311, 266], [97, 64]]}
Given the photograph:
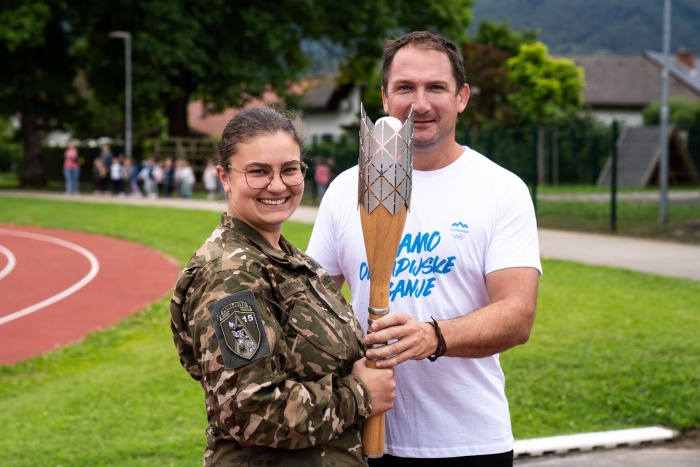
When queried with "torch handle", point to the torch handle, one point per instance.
{"points": [[382, 234], [373, 427]]}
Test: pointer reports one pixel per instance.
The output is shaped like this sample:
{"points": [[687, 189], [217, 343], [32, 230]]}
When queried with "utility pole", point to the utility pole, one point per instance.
{"points": [[127, 78], [663, 168]]}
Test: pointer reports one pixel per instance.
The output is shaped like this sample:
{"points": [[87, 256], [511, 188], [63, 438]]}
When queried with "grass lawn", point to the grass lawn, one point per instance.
{"points": [[610, 349], [633, 219]]}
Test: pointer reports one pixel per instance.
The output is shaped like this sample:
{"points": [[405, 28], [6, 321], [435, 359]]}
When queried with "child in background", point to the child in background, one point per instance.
{"points": [[116, 173], [131, 170], [147, 177], [184, 178], [99, 177], [210, 179]]}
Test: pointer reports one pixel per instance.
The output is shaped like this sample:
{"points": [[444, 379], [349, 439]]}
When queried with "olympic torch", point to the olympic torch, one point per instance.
{"points": [[384, 190]]}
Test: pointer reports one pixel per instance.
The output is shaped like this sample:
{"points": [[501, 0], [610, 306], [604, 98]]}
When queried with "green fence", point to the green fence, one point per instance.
{"points": [[562, 167]]}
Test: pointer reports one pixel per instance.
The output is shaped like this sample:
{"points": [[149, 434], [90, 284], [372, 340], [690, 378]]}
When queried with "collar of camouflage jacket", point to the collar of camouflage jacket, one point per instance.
{"points": [[288, 255]]}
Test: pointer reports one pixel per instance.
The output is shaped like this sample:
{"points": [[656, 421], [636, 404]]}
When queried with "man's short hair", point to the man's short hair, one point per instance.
{"points": [[427, 41]]}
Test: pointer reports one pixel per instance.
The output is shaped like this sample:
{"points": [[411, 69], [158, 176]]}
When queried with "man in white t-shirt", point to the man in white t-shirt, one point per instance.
{"points": [[464, 285]]}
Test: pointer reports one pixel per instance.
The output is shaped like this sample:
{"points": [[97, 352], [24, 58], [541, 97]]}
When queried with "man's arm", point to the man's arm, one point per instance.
{"points": [[504, 323], [339, 280]]}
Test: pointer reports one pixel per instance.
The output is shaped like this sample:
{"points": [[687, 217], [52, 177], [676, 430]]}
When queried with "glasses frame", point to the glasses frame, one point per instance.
{"points": [[244, 171]]}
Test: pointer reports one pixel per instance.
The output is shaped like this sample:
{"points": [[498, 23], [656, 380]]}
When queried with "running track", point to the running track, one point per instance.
{"points": [[56, 286]]}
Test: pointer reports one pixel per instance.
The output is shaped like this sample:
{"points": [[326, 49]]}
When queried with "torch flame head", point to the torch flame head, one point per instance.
{"points": [[385, 162]]}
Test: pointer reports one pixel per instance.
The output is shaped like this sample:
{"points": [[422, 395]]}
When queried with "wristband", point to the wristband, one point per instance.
{"points": [[441, 346]]}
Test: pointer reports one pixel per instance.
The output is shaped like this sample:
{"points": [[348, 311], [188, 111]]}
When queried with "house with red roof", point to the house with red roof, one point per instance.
{"points": [[326, 109]]}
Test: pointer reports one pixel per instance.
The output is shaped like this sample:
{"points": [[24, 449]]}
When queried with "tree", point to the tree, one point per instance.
{"points": [[37, 75], [485, 58], [228, 52], [502, 37], [547, 85], [489, 84], [221, 51], [547, 88]]}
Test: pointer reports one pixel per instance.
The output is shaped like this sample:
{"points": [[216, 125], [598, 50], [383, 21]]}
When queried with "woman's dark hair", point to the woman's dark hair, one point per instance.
{"points": [[250, 123], [427, 41]]}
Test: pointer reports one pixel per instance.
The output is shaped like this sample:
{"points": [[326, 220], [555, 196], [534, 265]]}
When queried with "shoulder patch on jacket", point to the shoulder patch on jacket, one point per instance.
{"points": [[239, 329]]}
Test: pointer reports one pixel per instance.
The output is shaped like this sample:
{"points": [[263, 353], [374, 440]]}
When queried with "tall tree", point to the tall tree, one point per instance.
{"points": [[501, 36], [228, 51], [547, 88], [485, 63], [36, 80], [487, 75]]}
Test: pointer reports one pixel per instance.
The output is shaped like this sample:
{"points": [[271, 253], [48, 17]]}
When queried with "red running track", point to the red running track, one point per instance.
{"points": [[56, 286]]}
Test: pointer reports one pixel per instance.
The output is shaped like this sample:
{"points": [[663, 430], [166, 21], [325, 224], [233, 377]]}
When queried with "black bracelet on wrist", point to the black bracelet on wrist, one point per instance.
{"points": [[441, 346]]}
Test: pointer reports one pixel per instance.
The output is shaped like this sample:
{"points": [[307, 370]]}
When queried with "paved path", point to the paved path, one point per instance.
{"points": [[654, 257]]}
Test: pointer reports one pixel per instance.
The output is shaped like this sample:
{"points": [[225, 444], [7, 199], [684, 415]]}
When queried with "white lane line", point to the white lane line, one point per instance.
{"points": [[94, 269], [11, 261]]}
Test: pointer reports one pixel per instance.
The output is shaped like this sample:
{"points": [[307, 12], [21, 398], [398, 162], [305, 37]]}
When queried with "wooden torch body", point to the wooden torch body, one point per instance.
{"points": [[382, 233], [384, 192]]}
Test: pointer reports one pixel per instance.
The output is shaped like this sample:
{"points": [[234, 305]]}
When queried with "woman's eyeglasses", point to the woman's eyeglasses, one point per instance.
{"points": [[259, 176]]}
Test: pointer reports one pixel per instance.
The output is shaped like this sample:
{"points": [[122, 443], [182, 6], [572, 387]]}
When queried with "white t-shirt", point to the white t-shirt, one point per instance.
{"points": [[465, 221]]}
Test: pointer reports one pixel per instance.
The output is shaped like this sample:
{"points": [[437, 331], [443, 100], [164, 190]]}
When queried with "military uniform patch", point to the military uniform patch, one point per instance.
{"points": [[239, 329]]}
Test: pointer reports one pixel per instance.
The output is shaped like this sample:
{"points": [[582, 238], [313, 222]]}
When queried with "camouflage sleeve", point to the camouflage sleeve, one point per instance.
{"points": [[259, 402], [181, 327], [360, 393]]}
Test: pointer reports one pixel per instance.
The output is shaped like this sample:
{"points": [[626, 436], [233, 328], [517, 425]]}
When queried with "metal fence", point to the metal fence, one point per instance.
{"points": [[565, 169], [568, 171]]}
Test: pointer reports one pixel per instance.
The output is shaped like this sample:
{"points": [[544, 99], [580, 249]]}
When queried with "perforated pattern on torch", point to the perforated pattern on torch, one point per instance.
{"points": [[385, 163]]}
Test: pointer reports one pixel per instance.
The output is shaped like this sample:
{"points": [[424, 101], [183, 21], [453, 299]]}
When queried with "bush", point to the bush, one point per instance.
{"points": [[683, 112]]}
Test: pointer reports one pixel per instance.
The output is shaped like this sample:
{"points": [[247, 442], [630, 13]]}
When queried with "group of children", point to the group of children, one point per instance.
{"points": [[165, 178], [121, 176]]}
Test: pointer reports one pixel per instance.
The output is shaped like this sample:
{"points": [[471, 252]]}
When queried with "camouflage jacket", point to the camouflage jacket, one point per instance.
{"points": [[272, 341]]}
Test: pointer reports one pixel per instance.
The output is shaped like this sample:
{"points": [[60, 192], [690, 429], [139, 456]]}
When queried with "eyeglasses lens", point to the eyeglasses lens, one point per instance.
{"points": [[260, 176]]}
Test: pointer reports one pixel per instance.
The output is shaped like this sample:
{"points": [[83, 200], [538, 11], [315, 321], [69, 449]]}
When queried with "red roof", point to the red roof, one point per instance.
{"points": [[202, 119]]}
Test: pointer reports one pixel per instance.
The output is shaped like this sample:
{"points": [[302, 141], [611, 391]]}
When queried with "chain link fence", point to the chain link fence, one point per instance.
{"points": [[566, 169]]}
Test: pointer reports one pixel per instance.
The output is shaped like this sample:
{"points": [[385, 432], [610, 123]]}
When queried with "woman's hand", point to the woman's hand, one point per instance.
{"points": [[381, 385]]}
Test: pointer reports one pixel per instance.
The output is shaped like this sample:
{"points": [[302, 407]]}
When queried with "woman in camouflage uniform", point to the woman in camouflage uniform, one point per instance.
{"points": [[264, 329]]}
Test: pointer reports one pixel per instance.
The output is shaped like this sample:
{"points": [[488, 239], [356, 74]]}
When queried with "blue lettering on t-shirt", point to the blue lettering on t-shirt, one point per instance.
{"points": [[416, 267], [431, 265], [411, 288], [364, 271], [417, 244]]}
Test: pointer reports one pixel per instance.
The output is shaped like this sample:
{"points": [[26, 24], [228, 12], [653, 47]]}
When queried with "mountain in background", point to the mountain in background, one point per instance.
{"points": [[624, 27]]}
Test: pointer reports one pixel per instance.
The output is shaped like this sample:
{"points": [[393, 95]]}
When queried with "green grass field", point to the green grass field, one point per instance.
{"points": [[610, 349], [633, 219]]}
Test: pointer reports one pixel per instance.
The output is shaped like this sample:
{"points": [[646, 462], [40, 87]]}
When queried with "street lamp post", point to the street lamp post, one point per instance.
{"points": [[663, 163], [127, 72]]}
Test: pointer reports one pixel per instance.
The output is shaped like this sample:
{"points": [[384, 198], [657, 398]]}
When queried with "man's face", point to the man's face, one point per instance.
{"points": [[423, 78]]}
